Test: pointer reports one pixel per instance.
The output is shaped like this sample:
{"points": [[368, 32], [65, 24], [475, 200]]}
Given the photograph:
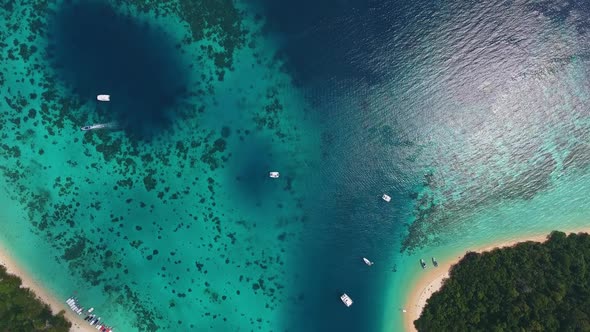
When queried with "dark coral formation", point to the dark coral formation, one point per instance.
{"points": [[111, 195], [441, 207]]}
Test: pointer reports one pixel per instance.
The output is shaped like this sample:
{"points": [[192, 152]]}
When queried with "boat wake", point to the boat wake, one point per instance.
{"points": [[110, 125]]}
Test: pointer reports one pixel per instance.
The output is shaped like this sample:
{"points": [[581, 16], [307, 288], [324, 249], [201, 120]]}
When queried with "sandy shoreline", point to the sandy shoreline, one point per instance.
{"points": [[56, 304], [433, 278]]}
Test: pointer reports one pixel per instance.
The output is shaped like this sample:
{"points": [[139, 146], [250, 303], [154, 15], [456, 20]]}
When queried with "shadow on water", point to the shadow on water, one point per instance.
{"points": [[251, 164], [318, 38], [96, 50]]}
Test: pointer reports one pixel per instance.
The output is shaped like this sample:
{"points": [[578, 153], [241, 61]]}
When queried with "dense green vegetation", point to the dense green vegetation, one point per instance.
{"points": [[529, 287], [20, 310]]}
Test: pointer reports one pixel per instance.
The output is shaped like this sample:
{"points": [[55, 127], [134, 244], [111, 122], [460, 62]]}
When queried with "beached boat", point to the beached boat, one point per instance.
{"points": [[386, 198], [346, 299], [274, 175], [422, 263], [99, 126], [103, 97], [434, 262], [368, 262], [90, 318]]}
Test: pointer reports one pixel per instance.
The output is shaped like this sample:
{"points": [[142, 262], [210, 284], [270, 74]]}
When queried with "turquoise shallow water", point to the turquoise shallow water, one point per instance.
{"points": [[473, 117], [143, 225], [563, 208]]}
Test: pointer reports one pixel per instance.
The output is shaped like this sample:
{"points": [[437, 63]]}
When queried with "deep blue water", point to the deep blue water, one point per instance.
{"points": [[452, 109], [332, 51], [374, 69], [126, 57]]}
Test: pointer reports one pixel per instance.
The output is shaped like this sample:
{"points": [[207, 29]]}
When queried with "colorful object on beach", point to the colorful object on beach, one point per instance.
{"points": [[90, 318]]}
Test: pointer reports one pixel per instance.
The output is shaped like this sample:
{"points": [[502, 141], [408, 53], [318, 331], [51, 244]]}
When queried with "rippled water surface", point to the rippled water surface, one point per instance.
{"points": [[473, 116]]}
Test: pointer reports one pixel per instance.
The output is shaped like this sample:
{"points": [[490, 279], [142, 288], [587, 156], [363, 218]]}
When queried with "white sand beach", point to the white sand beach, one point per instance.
{"points": [[433, 279], [56, 304]]}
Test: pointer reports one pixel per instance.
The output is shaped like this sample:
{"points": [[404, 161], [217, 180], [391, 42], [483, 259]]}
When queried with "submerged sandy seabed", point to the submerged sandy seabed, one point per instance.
{"points": [[56, 304], [433, 278]]}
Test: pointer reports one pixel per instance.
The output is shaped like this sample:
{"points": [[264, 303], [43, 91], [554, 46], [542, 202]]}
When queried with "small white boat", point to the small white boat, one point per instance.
{"points": [[346, 300], [95, 321], [386, 198], [422, 263], [103, 97], [274, 175], [111, 125], [368, 262]]}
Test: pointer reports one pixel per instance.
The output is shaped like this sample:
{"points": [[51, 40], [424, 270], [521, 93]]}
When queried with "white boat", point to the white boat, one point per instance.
{"points": [[99, 126], [103, 97], [386, 198], [368, 262], [346, 300], [274, 175], [95, 321]]}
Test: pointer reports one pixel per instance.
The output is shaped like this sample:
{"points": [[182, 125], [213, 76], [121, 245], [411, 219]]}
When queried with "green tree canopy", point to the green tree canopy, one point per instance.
{"points": [[21, 310], [528, 287]]}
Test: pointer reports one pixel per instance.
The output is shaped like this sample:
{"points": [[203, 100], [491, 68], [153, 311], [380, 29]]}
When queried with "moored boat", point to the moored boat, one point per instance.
{"points": [[103, 97], [346, 299], [367, 261], [386, 198], [274, 175], [95, 321], [434, 262], [92, 319], [422, 263]]}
